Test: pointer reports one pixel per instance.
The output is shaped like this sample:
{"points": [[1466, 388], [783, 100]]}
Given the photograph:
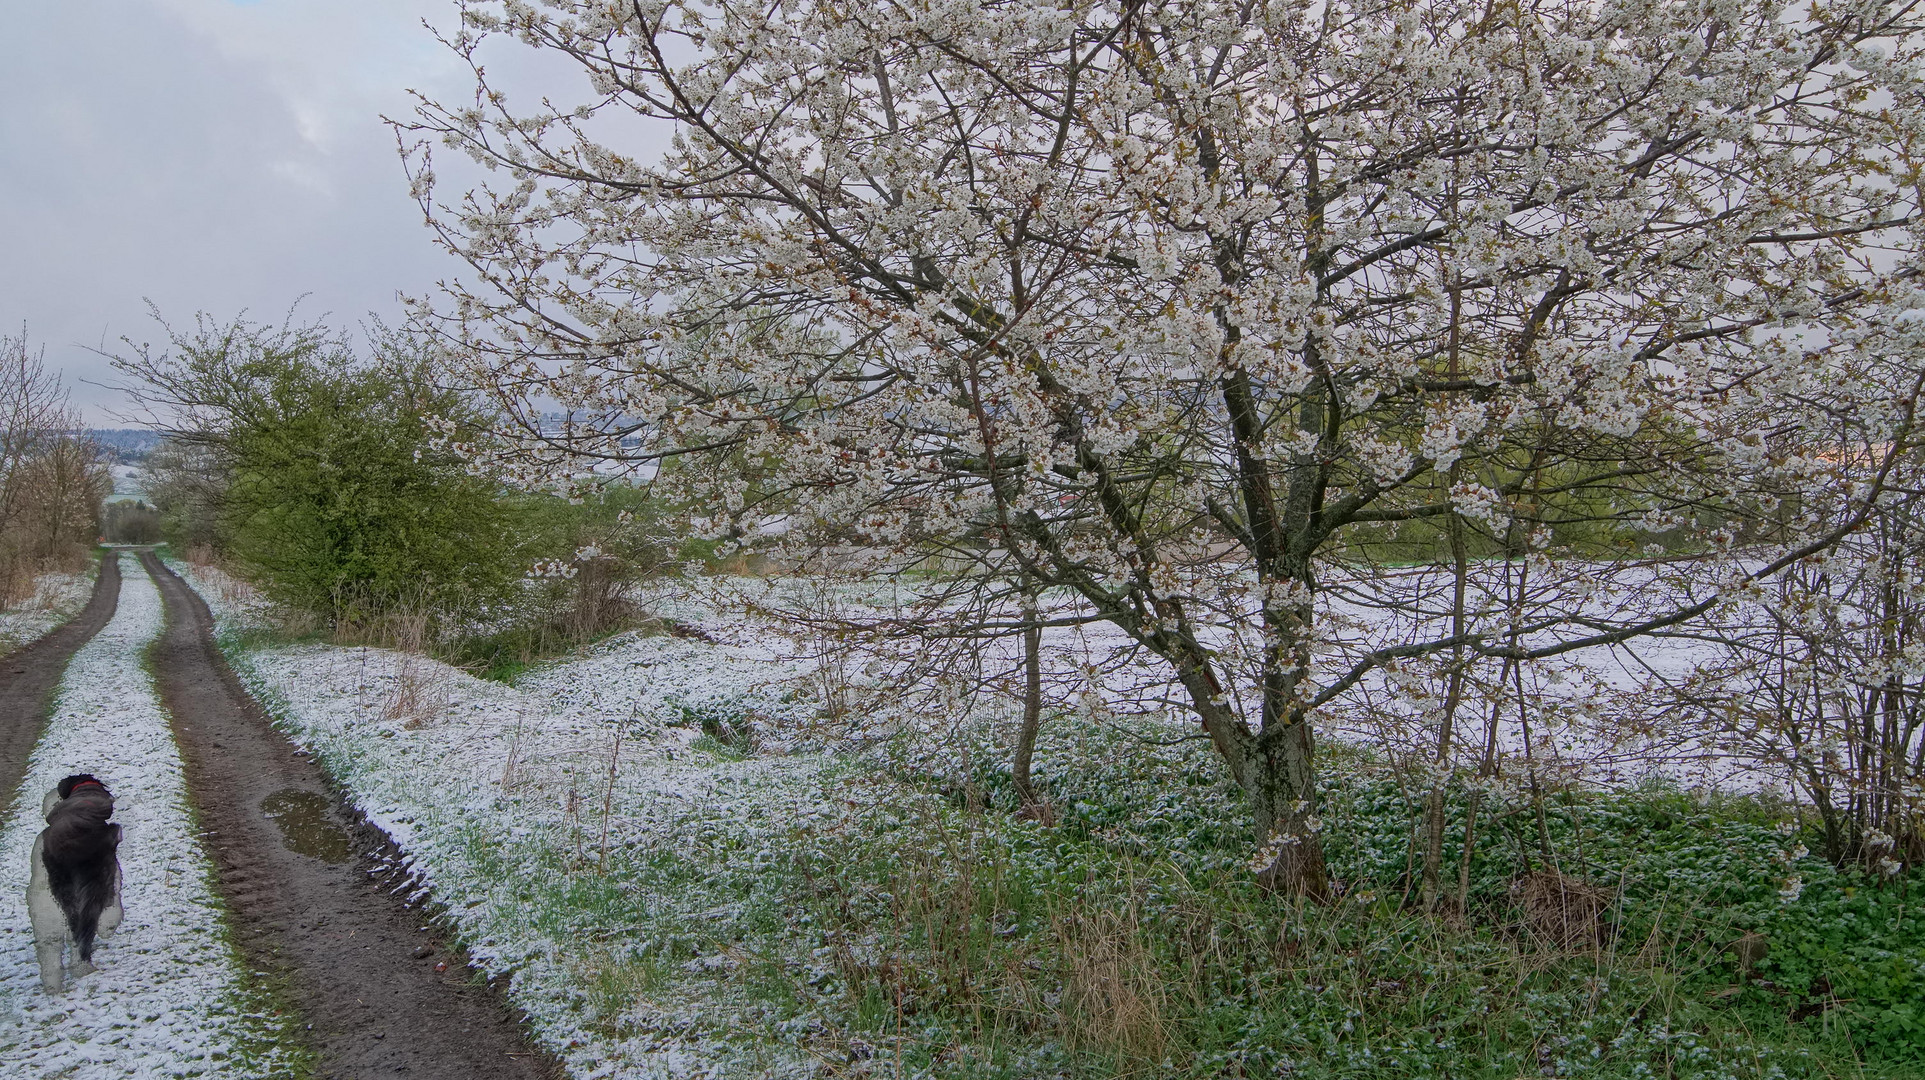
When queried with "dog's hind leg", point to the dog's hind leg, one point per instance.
{"points": [[111, 915], [52, 978], [49, 924]]}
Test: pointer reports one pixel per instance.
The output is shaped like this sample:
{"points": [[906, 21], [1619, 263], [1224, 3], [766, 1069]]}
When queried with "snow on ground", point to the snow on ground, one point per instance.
{"points": [[169, 998], [1593, 722], [56, 598], [672, 683], [130, 483], [500, 799], [562, 855]]}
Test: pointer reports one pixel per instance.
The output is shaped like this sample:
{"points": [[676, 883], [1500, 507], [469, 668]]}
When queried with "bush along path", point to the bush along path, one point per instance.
{"points": [[29, 674], [173, 996], [313, 888]]}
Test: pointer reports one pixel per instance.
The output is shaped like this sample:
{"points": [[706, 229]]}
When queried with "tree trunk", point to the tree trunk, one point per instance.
{"points": [[1434, 805], [1032, 699], [1460, 904], [1277, 771], [1280, 778]]}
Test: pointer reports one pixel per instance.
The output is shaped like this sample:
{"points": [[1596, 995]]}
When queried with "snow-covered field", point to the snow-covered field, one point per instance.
{"points": [[56, 598], [130, 482], [169, 998]]}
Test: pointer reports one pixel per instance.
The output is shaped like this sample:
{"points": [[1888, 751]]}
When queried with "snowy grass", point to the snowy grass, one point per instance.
{"points": [[56, 598], [696, 903], [173, 997]]}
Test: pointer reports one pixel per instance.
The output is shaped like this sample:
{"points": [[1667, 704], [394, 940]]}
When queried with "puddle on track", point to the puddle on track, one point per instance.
{"points": [[307, 826]]}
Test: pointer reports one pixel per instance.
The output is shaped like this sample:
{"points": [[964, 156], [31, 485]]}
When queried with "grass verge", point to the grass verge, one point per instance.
{"points": [[884, 927], [872, 918]]}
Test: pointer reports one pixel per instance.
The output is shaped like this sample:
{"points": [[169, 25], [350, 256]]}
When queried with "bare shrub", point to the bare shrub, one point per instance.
{"points": [[600, 602], [217, 574], [49, 591], [234, 590], [419, 691], [51, 480], [817, 619], [18, 590], [202, 555], [1818, 682], [293, 622]]}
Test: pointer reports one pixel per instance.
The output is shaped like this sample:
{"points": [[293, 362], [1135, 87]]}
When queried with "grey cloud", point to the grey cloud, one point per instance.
{"points": [[148, 152]]}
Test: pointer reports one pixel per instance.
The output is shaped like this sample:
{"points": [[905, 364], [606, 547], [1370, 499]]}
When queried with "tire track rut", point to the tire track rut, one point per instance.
{"points": [[29, 675], [311, 885]]}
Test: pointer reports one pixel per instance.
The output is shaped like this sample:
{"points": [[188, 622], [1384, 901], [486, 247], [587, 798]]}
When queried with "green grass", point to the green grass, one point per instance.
{"points": [[501, 656], [505, 655], [271, 1044], [884, 926], [1128, 933]]}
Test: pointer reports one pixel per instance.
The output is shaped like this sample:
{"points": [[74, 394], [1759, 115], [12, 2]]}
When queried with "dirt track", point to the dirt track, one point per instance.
{"points": [[311, 886], [29, 674]]}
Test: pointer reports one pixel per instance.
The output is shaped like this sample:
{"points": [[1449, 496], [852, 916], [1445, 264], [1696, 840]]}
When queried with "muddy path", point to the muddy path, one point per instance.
{"points": [[29, 675], [311, 886]]}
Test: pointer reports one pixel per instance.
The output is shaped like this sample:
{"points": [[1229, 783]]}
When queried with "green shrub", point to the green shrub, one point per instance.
{"points": [[130, 522], [341, 502], [327, 477]]}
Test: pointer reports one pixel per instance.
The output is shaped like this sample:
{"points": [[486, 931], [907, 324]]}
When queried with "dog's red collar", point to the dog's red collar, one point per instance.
{"points": [[85, 783]]}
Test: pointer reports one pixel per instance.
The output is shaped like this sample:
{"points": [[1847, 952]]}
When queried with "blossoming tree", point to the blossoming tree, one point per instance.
{"points": [[1180, 308]]}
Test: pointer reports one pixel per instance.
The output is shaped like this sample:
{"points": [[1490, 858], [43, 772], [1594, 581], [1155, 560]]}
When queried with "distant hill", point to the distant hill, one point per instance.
{"points": [[126, 444]]}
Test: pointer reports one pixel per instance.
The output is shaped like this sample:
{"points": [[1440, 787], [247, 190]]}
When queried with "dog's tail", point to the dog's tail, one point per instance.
{"points": [[82, 892]]}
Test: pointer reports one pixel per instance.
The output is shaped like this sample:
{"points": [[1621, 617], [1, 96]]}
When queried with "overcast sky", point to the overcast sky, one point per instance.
{"points": [[212, 155]]}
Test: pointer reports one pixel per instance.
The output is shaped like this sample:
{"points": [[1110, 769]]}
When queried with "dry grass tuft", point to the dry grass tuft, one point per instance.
{"points": [[1113, 993], [1560, 910], [229, 585], [419, 692]]}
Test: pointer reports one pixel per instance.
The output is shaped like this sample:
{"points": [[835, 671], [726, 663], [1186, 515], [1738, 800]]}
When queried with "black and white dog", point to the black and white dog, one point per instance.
{"points": [[75, 889]]}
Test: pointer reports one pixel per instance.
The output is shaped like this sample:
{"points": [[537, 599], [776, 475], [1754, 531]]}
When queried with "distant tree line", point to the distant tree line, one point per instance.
{"points": [[130, 522], [125, 444]]}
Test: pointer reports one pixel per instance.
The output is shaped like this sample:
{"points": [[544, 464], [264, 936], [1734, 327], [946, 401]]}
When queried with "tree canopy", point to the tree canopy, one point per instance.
{"points": [[1173, 306]]}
